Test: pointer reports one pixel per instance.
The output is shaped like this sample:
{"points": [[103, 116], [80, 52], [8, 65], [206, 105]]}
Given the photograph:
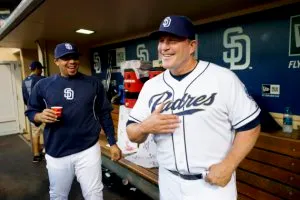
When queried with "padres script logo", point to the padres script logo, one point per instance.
{"points": [[188, 102], [142, 53], [232, 40], [68, 93]]}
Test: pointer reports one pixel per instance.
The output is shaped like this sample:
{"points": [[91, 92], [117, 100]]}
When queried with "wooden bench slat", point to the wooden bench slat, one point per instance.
{"points": [[281, 145], [243, 197], [154, 170], [272, 172], [249, 192], [268, 185], [286, 162], [148, 174]]}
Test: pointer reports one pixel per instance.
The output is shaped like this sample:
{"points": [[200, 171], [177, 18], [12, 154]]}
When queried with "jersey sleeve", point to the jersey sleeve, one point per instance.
{"points": [[241, 106], [141, 109], [36, 103]]}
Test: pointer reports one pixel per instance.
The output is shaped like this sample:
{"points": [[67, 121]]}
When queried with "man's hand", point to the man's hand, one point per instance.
{"points": [[47, 116], [160, 123], [115, 153], [219, 174], [156, 123]]}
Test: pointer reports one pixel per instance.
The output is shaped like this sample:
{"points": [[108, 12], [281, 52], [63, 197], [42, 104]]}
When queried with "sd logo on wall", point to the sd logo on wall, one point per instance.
{"points": [[239, 47]]}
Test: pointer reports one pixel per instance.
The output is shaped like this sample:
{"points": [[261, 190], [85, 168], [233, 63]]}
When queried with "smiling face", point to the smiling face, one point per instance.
{"points": [[176, 53], [68, 65]]}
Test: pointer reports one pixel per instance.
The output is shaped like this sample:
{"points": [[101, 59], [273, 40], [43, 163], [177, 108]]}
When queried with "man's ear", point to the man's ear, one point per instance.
{"points": [[193, 45], [56, 61]]}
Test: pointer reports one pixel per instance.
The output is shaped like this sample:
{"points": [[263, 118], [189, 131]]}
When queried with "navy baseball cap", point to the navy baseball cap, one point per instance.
{"points": [[180, 26], [63, 49], [36, 64]]}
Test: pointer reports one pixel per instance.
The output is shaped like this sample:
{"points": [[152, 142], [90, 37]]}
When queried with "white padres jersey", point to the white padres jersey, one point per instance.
{"points": [[211, 102]]}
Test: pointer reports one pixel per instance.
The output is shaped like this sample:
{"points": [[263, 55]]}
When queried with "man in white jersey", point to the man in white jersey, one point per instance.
{"points": [[203, 120]]}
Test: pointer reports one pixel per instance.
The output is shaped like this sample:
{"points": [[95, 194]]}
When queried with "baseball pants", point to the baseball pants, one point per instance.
{"points": [[85, 165], [172, 187]]}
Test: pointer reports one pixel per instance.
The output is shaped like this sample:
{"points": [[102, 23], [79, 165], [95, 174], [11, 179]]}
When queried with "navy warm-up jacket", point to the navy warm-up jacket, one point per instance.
{"points": [[85, 106]]}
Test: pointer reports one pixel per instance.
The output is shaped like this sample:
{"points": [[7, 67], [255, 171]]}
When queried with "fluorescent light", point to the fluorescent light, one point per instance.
{"points": [[5, 12], [85, 31]]}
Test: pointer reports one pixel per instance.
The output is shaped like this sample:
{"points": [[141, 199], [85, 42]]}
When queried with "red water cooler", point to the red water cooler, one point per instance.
{"points": [[132, 87]]}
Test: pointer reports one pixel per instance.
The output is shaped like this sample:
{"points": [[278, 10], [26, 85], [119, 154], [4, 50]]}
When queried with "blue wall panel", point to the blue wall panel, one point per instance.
{"points": [[264, 46]]}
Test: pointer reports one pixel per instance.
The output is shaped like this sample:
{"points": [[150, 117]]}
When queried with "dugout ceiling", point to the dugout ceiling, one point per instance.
{"points": [[113, 20]]}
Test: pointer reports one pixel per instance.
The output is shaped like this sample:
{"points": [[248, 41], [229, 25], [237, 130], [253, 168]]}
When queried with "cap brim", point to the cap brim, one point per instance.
{"points": [[157, 34], [37, 67], [69, 53]]}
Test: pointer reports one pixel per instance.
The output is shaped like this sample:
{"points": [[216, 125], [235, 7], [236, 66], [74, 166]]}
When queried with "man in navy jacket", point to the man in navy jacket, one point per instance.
{"points": [[71, 143], [28, 83]]}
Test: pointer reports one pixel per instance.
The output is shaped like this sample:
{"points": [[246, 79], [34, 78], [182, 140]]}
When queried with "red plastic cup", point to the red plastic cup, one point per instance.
{"points": [[57, 110]]}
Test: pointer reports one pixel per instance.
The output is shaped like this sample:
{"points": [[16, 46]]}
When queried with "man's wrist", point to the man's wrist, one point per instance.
{"points": [[111, 139], [142, 129], [230, 163], [37, 118]]}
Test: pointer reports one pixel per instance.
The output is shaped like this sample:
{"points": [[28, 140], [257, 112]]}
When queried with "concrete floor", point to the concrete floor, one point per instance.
{"points": [[20, 179]]}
